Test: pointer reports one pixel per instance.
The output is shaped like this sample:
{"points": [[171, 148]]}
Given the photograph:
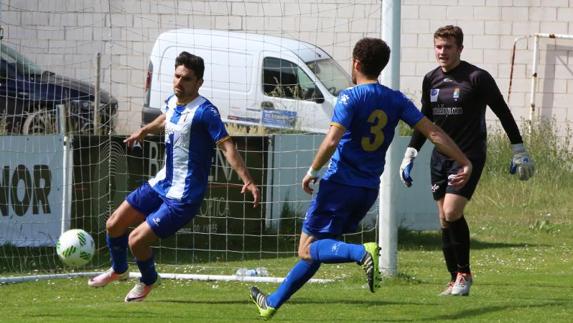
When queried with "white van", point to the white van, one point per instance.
{"points": [[253, 79]]}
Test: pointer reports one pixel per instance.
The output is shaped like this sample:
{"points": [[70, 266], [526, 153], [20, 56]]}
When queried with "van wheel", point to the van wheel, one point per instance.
{"points": [[41, 121]]}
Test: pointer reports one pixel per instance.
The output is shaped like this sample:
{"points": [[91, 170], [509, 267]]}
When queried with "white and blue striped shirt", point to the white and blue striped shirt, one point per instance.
{"points": [[191, 133]]}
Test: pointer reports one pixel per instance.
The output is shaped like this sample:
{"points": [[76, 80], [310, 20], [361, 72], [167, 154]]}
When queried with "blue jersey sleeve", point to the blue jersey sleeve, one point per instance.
{"points": [[343, 110], [214, 125], [410, 114]]}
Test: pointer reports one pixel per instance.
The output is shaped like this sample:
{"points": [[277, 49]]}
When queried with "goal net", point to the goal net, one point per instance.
{"points": [[274, 67]]}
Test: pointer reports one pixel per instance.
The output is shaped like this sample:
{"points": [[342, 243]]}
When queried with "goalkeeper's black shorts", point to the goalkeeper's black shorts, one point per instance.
{"points": [[441, 167]]}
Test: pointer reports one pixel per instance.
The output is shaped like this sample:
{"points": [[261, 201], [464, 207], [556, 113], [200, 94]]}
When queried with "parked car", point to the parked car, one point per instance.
{"points": [[29, 96]]}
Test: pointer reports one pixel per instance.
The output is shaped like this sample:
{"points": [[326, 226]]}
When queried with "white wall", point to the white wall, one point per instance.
{"points": [[490, 28], [64, 35]]}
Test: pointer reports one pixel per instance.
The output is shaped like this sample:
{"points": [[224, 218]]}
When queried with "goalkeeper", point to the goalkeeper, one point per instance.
{"points": [[454, 97], [362, 128]]}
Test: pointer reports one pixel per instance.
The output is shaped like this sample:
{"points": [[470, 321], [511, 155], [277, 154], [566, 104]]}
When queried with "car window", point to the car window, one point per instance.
{"points": [[285, 79], [332, 76], [18, 62]]}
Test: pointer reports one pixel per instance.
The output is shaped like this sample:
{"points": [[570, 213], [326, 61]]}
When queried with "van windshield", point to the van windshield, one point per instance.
{"points": [[334, 78]]}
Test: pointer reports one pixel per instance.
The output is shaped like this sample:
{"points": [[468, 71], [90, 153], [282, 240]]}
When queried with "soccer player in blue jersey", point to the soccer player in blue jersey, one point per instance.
{"points": [[171, 199], [362, 128]]}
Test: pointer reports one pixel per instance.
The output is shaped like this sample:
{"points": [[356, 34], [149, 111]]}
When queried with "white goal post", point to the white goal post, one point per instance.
{"points": [[388, 218], [533, 113]]}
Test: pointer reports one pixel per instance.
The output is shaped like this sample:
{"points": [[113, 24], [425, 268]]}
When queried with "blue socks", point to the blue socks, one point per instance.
{"points": [[118, 252], [321, 251], [148, 272], [298, 276], [332, 251]]}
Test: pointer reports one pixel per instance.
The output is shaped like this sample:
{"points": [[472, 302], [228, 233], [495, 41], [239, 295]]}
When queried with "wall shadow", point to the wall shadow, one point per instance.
{"points": [[432, 240]]}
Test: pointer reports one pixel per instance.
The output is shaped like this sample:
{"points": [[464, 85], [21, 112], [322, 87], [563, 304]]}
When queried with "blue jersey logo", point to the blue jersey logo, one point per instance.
{"points": [[456, 94], [434, 95]]}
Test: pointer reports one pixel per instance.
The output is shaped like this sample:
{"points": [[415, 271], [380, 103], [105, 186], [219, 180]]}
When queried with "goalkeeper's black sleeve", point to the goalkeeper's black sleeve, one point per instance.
{"points": [[499, 107]]}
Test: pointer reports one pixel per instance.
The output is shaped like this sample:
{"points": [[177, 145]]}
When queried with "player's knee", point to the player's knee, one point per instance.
{"points": [[112, 225], [443, 223], [304, 252], [134, 239], [452, 215]]}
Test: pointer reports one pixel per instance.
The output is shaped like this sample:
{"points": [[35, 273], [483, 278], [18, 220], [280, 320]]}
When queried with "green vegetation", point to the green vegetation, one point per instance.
{"points": [[240, 130], [3, 124], [522, 258]]}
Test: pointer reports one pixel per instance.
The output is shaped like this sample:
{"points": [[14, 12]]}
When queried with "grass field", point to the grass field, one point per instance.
{"points": [[522, 258]]}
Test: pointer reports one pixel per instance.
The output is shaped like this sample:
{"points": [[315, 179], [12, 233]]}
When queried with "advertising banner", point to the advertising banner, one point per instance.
{"points": [[31, 190]]}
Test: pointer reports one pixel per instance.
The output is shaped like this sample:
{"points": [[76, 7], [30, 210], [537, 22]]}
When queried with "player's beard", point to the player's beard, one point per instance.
{"points": [[182, 94]]}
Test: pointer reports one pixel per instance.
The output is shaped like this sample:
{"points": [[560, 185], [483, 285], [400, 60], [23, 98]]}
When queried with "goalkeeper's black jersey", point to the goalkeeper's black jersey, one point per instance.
{"points": [[456, 102]]}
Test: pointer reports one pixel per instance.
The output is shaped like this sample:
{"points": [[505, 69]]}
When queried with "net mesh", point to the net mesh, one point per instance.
{"points": [[50, 53]]}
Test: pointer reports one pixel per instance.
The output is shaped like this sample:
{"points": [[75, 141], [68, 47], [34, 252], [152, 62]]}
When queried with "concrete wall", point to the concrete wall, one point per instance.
{"points": [[490, 28], [64, 35]]}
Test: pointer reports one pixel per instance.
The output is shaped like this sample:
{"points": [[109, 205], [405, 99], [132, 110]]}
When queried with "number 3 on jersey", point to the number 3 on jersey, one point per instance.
{"points": [[378, 120]]}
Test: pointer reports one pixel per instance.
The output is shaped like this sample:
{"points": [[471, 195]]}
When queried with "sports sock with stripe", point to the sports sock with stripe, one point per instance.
{"points": [[332, 251], [295, 279]]}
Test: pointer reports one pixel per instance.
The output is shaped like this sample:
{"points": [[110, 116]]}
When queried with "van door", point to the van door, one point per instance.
{"points": [[291, 97]]}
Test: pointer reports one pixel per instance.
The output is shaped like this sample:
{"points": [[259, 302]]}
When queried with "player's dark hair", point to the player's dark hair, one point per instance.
{"points": [[451, 31], [373, 54], [192, 62]]}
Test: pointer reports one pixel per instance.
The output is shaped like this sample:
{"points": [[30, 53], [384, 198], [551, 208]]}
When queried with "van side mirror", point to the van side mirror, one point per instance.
{"points": [[318, 97]]}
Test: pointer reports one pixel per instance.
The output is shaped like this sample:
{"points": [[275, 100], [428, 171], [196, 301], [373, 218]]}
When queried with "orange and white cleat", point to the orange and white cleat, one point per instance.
{"points": [[462, 285], [107, 277], [140, 291], [448, 290]]}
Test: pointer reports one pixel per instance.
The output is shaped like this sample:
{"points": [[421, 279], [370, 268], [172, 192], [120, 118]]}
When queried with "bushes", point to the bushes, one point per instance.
{"points": [[548, 192]]}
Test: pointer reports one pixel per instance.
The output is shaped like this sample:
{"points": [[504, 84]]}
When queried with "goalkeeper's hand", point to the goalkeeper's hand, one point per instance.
{"points": [[407, 166], [521, 163]]}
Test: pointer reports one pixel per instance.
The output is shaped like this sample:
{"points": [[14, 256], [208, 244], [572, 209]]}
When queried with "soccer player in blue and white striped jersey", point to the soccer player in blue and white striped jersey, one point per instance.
{"points": [[170, 200]]}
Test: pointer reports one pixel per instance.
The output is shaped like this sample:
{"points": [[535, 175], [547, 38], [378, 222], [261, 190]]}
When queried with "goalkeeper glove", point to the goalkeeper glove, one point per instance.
{"points": [[521, 163], [407, 166]]}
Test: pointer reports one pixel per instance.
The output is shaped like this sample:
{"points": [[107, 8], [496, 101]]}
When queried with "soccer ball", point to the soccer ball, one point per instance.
{"points": [[75, 247]]}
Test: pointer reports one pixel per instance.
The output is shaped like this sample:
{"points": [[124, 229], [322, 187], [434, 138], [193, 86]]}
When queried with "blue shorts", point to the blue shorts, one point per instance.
{"points": [[337, 209], [165, 216]]}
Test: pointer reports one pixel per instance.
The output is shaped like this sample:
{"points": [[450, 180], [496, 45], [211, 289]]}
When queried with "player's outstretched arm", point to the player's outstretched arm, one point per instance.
{"points": [[325, 151], [447, 146], [236, 161], [154, 127], [521, 162]]}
